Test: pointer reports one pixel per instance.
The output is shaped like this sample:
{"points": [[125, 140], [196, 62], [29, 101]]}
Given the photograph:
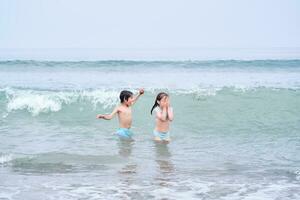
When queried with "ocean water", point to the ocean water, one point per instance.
{"points": [[236, 132]]}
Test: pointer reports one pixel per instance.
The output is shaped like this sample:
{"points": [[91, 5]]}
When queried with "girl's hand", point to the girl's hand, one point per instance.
{"points": [[100, 116], [168, 102], [163, 102]]}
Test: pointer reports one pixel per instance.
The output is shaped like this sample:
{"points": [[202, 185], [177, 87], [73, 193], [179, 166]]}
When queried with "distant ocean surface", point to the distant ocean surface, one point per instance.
{"points": [[236, 132]]}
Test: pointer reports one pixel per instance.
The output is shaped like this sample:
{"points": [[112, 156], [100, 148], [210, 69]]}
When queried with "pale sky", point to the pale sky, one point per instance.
{"points": [[152, 29], [149, 24]]}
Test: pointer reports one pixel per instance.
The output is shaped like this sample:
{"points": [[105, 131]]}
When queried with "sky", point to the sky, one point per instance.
{"points": [[176, 24]]}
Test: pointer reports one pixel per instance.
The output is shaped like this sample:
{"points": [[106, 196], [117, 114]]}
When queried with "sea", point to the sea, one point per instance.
{"points": [[235, 133]]}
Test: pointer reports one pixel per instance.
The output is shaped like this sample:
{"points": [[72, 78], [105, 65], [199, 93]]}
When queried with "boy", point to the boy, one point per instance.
{"points": [[124, 113]]}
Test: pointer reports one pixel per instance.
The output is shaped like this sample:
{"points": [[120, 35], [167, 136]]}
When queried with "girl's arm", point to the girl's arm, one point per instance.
{"points": [[170, 113], [162, 115], [135, 98], [109, 116]]}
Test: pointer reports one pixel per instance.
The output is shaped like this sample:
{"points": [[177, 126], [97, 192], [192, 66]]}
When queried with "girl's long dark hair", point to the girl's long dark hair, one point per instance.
{"points": [[158, 98]]}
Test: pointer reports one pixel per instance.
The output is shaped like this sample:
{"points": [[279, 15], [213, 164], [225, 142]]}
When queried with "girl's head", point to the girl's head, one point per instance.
{"points": [[159, 97]]}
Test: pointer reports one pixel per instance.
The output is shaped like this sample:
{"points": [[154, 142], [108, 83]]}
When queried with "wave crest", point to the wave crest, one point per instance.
{"points": [[37, 102], [5, 158], [40, 101]]}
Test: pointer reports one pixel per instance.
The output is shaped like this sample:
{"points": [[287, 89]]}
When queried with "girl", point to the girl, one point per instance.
{"points": [[164, 115]]}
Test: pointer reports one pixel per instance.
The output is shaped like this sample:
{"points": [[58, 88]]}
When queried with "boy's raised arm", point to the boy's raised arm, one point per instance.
{"points": [[135, 98], [109, 116]]}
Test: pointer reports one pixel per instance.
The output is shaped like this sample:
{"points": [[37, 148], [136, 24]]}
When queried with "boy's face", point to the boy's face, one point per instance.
{"points": [[129, 101]]}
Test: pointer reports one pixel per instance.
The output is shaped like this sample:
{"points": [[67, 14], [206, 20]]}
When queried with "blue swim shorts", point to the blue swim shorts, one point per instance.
{"points": [[124, 133], [161, 135]]}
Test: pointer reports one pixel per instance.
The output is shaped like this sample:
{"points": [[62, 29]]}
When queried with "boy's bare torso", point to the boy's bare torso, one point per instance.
{"points": [[125, 116]]}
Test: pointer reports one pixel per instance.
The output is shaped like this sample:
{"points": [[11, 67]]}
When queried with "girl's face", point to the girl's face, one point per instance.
{"points": [[163, 100]]}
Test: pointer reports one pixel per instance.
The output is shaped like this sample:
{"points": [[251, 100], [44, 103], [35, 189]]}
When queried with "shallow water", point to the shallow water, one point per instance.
{"points": [[235, 133]]}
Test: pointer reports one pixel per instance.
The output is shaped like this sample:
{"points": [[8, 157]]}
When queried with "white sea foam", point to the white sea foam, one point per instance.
{"points": [[43, 101], [37, 102], [5, 158]]}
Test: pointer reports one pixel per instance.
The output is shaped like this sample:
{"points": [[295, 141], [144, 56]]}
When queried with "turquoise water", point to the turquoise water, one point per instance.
{"points": [[236, 133]]}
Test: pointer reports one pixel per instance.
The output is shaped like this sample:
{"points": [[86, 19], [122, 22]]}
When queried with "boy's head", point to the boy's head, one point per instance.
{"points": [[126, 97]]}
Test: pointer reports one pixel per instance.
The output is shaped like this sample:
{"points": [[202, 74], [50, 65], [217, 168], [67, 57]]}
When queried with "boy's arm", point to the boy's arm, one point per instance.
{"points": [[135, 98], [109, 116]]}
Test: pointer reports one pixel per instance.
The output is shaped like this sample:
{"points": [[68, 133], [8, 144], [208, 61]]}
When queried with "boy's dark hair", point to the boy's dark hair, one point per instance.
{"points": [[124, 95]]}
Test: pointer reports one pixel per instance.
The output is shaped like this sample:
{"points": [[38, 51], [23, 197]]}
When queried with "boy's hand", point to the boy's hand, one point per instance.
{"points": [[100, 116], [141, 91]]}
